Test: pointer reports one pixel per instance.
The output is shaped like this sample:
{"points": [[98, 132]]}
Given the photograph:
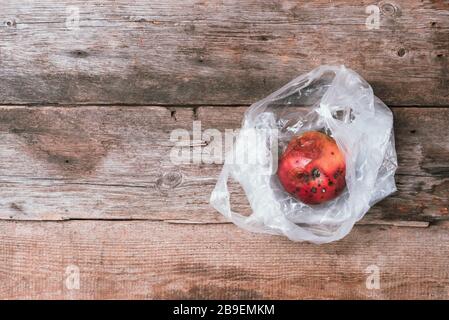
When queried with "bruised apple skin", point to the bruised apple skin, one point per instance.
{"points": [[312, 168]]}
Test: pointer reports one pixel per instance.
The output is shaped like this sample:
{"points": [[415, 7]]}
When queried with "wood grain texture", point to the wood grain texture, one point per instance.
{"points": [[86, 116], [216, 51], [114, 163], [149, 260]]}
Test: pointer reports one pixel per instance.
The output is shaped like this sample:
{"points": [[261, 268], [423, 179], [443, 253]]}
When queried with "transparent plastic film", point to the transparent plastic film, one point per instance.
{"points": [[330, 99]]}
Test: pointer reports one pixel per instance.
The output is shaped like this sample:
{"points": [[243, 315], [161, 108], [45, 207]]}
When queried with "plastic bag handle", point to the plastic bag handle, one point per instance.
{"points": [[220, 200]]}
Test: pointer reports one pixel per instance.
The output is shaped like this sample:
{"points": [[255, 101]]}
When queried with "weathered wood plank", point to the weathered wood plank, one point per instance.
{"points": [[156, 260], [215, 51], [113, 163]]}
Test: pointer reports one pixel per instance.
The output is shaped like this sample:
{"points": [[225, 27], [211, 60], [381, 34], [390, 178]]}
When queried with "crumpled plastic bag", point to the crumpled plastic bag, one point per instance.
{"points": [[333, 99]]}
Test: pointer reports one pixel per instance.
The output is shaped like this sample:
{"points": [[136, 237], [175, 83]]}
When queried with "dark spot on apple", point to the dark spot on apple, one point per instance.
{"points": [[330, 183], [313, 189], [315, 173]]}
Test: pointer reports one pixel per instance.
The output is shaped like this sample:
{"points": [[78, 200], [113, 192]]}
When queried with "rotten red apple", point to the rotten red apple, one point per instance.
{"points": [[312, 168]]}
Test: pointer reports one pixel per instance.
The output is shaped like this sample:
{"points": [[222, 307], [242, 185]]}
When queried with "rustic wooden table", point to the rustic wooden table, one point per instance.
{"points": [[91, 90]]}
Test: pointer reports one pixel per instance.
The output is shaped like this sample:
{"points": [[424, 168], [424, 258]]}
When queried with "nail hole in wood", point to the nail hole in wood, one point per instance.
{"points": [[10, 23], [401, 52], [79, 53], [173, 114]]}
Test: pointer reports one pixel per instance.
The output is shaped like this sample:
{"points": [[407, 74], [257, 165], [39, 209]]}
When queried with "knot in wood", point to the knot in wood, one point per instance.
{"points": [[169, 180], [389, 9]]}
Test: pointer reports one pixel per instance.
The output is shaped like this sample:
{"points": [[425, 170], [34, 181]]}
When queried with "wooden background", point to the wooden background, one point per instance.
{"points": [[85, 120]]}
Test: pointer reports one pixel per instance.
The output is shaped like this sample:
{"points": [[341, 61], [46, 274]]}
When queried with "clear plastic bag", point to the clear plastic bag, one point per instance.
{"points": [[333, 99]]}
